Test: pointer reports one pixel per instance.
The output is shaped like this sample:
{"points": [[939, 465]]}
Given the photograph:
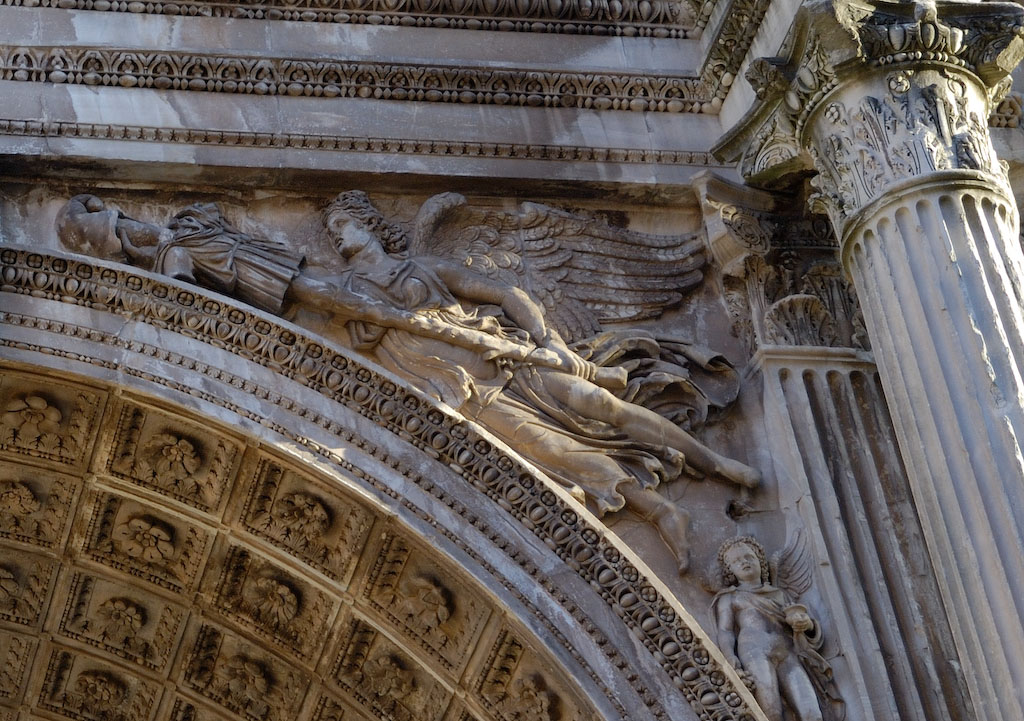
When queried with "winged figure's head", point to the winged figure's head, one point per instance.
{"points": [[355, 206], [743, 559]]}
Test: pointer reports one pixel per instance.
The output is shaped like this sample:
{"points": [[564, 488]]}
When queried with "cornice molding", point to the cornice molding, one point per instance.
{"points": [[661, 625], [644, 18], [355, 144], [172, 70], [296, 76]]}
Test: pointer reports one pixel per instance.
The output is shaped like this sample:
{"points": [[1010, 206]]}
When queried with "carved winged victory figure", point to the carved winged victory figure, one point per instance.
{"points": [[499, 314]]}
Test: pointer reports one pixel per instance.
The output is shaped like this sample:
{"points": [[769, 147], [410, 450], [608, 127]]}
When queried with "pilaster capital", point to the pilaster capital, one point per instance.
{"points": [[780, 279], [873, 94]]}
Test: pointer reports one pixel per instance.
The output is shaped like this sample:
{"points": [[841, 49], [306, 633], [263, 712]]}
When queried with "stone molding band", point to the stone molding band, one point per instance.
{"points": [[712, 690], [170, 70], [354, 144], [727, 50], [644, 18]]}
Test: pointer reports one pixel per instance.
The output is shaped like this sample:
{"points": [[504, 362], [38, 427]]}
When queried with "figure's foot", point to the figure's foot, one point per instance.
{"points": [[673, 524], [740, 473]]}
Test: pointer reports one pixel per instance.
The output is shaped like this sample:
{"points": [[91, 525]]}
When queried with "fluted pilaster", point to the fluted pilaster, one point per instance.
{"points": [[888, 103]]}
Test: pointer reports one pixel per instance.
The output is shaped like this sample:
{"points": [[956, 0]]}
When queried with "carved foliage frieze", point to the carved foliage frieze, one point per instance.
{"points": [[183, 461], [128, 623], [426, 602], [295, 513], [51, 423], [16, 653], [385, 680], [515, 688], [270, 602], [172, 70], [80, 688], [25, 583], [35, 505]]}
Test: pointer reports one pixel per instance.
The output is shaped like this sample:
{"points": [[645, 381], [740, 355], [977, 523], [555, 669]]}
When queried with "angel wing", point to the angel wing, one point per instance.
{"points": [[793, 572], [581, 270]]}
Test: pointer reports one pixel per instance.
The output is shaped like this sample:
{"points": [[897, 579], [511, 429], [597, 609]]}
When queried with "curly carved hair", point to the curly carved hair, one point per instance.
{"points": [[728, 579], [355, 204]]}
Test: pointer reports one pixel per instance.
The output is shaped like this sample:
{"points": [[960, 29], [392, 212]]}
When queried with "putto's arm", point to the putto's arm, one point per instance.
{"points": [[726, 620]]}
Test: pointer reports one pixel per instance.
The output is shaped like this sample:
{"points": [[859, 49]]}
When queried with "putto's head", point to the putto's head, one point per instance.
{"points": [[351, 215], [743, 559]]}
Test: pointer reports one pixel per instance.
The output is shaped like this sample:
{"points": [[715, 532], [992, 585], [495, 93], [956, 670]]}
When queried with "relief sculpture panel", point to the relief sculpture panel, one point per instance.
{"points": [[506, 316]]}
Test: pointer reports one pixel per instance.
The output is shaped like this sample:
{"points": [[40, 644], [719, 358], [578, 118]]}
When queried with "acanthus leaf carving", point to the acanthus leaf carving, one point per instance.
{"points": [[800, 320], [24, 585], [243, 680], [34, 423], [944, 69], [125, 535], [315, 527], [386, 681]]}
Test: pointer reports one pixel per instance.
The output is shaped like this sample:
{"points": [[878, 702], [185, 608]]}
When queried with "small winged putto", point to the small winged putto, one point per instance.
{"points": [[766, 633]]}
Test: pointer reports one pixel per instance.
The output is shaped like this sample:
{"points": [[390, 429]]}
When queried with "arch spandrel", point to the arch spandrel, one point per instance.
{"points": [[550, 608]]}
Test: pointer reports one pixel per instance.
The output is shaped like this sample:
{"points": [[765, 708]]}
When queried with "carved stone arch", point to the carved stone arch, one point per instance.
{"points": [[209, 514]]}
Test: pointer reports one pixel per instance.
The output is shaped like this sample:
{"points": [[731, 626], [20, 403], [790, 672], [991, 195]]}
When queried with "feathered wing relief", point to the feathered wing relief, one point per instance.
{"points": [[583, 272], [501, 316]]}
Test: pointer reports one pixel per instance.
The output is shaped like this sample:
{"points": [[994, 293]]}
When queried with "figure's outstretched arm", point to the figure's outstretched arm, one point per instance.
{"points": [[518, 306], [325, 295]]}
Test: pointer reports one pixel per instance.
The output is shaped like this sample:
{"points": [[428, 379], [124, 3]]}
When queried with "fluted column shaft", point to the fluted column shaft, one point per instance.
{"points": [[929, 234]]}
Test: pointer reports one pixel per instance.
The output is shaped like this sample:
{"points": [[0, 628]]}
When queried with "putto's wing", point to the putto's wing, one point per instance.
{"points": [[581, 270], [793, 572], [607, 274]]}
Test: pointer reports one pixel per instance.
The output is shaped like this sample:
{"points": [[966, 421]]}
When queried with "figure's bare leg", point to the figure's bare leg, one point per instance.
{"points": [[672, 522], [798, 690], [766, 684], [646, 426]]}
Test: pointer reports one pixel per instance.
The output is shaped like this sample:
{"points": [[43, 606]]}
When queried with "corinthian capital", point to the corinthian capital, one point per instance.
{"points": [[872, 94]]}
